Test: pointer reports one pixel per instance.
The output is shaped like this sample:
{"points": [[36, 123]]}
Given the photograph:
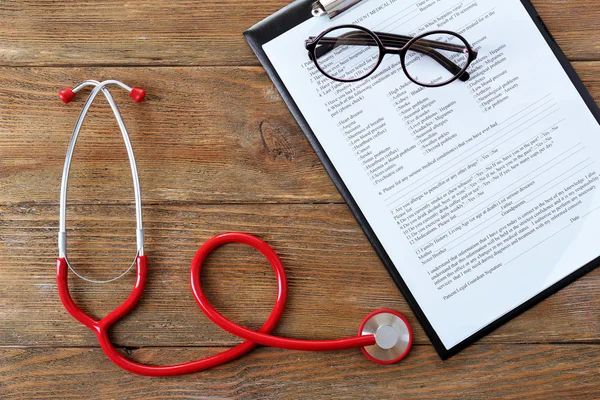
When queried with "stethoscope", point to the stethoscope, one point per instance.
{"points": [[385, 336]]}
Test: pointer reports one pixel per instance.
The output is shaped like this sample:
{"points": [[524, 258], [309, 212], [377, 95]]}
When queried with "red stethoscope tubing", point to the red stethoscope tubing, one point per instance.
{"points": [[252, 338]]}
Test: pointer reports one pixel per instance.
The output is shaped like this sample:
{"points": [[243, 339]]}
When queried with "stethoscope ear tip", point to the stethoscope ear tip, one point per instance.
{"points": [[393, 336], [137, 94], [66, 95]]}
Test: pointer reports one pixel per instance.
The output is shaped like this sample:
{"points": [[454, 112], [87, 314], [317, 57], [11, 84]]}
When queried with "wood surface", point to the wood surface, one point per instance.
{"points": [[538, 371], [217, 150]]}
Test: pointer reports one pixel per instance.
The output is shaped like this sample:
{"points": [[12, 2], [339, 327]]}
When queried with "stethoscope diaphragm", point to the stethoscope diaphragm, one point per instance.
{"points": [[393, 336]]}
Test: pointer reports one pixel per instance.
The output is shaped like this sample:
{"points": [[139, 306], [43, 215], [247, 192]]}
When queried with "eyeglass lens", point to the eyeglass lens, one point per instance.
{"points": [[429, 62], [347, 54]]}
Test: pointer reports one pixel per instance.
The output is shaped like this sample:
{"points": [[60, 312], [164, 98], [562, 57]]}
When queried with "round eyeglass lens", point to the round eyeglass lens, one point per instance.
{"points": [[347, 54], [436, 58]]}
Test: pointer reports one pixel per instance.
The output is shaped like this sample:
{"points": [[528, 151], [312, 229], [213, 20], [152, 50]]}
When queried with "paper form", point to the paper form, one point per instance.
{"points": [[483, 193]]}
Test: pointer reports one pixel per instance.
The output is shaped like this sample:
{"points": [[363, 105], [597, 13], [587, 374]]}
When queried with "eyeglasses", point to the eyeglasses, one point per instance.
{"points": [[349, 53]]}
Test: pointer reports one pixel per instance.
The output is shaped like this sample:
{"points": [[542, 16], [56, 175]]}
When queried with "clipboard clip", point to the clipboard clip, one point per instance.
{"points": [[332, 8]]}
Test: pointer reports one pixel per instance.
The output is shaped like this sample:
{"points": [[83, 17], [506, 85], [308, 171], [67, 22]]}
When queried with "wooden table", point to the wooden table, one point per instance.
{"points": [[217, 150]]}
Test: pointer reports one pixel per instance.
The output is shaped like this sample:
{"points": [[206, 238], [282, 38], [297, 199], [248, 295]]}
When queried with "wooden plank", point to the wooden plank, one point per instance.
{"points": [[335, 277], [574, 24], [111, 32], [190, 144], [482, 371], [185, 32]]}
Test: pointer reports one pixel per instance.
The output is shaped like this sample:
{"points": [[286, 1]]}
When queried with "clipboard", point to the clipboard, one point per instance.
{"points": [[300, 11]]}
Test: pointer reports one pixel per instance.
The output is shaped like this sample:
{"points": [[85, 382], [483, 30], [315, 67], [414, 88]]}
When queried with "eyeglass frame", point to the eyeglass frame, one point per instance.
{"points": [[311, 46]]}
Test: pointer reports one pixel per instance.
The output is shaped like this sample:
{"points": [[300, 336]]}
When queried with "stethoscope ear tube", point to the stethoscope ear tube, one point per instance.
{"points": [[66, 96], [385, 336]]}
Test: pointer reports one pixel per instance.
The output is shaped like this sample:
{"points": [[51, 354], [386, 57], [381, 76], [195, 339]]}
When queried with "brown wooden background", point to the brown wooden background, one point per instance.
{"points": [[217, 150]]}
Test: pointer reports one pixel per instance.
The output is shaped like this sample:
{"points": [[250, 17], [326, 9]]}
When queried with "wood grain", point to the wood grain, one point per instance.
{"points": [[335, 277], [191, 144], [187, 32], [482, 371], [217, 150]]}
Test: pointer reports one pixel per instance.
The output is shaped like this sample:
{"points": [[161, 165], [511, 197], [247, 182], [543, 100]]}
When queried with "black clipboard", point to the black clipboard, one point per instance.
{"points": [[298, 12]]}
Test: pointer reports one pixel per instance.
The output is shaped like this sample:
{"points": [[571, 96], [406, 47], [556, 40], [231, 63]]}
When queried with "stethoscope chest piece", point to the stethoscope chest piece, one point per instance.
{"points": [[393, 336]]}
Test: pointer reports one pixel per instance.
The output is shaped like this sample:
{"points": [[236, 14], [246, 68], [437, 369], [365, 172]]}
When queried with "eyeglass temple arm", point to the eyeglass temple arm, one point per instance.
{"points": [[392, 40]]}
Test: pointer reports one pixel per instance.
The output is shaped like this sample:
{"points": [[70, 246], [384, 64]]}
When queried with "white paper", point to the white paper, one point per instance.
{"points": [[488, 202]]}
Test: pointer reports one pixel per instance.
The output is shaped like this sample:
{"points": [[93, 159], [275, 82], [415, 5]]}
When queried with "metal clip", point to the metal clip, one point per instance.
{"points": [[332, 8]]}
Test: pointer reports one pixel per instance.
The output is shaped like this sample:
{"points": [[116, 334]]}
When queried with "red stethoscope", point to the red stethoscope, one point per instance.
{"points": [[385, 336]]}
